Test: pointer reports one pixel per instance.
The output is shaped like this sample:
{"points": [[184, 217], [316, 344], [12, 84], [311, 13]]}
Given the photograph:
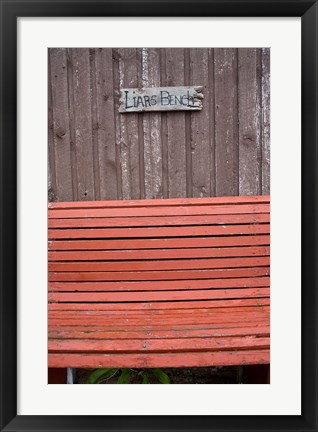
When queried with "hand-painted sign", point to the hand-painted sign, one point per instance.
{"points": [[161, 99]]}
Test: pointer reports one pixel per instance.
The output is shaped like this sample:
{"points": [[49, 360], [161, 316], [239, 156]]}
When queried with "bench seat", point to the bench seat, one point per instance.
{"points": [[159, 283]]}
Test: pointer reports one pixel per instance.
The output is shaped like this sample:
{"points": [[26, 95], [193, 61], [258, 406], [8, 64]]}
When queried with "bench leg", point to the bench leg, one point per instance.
{"points": [[70, 376], [239, 376]]}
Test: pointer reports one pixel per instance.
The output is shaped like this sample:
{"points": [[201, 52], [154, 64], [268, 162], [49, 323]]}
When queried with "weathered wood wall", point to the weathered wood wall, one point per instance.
{"points": [[97, 153]]}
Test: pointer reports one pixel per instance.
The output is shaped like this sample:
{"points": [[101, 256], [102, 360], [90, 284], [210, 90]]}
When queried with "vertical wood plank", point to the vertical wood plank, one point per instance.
{"points": [[61, 130], [212, 121], [129, 136], [51, 158], [188, 143], [95, 124], [152, 127], [226, 129], [117, 117], [249, 121], [265, 121], [122, 139], [200, 133], [70, 80], [164, 128], [176, 141], [106, 124], [83, 124], [140, 131]]}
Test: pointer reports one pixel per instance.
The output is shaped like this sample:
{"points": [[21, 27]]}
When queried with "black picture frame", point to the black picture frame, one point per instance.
{"points": [[10, 11]]}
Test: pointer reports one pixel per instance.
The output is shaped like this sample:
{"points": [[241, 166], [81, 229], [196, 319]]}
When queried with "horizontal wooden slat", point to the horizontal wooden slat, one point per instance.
{"points": [[158, 253], [154, 345], [159, 275], [156, 322], [163, 327], [159, 221], [144, 322], [158, 295], [162, 243], [159, 231], [144, 306], [160, 328], [56, 332], [158, 285], [157, 265], [154, 314], [158, 211], [233, 200], [186, 359], [158, 314]]}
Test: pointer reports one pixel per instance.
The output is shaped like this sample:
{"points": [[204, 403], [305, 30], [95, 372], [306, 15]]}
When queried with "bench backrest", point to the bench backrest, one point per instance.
{"points": [[183, 250]]}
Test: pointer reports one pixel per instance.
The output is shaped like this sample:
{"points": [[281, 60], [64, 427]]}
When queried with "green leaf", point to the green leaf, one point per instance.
{"points": [[145, 379], [100, 375], [161, 376], [124, 376]]}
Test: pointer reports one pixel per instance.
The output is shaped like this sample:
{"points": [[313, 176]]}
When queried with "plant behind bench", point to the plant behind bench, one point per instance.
{"points": [[101, 375]]}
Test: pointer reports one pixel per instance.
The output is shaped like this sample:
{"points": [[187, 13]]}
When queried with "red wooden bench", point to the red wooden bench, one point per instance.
{"points": [[159, 283]]}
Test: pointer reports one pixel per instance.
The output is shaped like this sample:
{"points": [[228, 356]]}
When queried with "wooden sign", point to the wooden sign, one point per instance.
{"points": [[161, 99]]}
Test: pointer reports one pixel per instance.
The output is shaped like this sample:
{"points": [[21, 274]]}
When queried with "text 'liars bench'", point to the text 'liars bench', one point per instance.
{"points": [[159, 283]]}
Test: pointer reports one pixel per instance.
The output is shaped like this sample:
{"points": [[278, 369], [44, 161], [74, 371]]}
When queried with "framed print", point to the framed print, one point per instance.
{"points": [[41, 42]]}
